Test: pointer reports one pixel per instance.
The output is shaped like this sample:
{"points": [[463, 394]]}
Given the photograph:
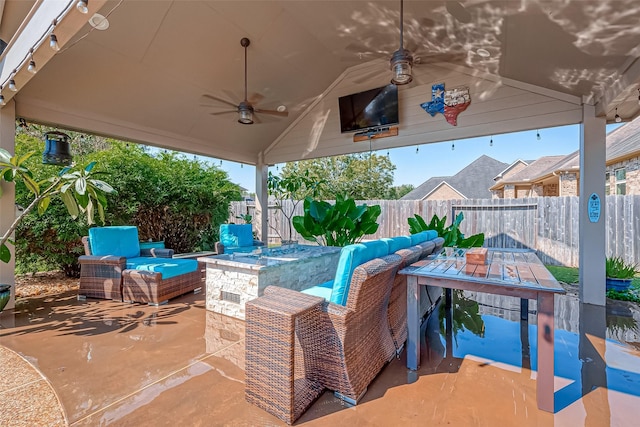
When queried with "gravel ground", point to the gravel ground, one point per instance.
{"points": [[46, 283]]}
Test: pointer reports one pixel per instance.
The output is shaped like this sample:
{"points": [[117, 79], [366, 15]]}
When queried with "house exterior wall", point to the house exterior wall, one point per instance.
{"points": [[522, 191], [517, 168], [509, 191], [497, 194], [569, 184], [550, 190], [444, 192], [537, 190], [632, 168]]}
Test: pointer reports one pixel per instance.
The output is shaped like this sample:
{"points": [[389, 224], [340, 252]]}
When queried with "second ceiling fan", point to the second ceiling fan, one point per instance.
{"points": [[245, 109]]}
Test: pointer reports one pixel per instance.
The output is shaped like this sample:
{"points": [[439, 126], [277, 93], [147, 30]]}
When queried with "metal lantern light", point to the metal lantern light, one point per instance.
{"points": [[57, 150]]}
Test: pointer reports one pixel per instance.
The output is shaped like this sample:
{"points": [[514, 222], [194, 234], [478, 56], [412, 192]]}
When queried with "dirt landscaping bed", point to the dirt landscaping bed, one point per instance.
{"points": [[45, 283]]}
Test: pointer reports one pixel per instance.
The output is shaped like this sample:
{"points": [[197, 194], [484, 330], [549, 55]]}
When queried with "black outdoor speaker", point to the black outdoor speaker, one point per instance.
{"points": [[57, 150]]}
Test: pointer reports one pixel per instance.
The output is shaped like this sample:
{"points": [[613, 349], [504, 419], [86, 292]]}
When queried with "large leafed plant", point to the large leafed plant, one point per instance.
{"points": [[340, 224], [78, 188], [451, 234]]}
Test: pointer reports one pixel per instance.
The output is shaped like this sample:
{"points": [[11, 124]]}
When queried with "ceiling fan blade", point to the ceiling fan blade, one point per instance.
{"points": [[218, 113], [271, 112], [206, 100]]}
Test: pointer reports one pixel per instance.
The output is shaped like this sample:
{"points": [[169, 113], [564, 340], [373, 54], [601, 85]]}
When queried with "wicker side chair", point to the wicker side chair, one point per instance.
{"points": [[350, 344]]}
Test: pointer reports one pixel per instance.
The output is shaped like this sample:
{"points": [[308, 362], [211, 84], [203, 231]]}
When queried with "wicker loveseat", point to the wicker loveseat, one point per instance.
{"points": [[347, 329], [115, 267]]}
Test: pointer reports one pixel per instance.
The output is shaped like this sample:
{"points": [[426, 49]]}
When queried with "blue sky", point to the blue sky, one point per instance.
{"points": [[439, 160]]}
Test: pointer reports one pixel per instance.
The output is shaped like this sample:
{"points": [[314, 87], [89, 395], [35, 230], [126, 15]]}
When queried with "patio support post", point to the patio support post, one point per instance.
{"points": [[7, 201], [592, 234], [262, 200]]}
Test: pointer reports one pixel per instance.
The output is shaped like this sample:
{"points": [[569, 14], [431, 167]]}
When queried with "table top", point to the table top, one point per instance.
{"points": [[508, 268]]}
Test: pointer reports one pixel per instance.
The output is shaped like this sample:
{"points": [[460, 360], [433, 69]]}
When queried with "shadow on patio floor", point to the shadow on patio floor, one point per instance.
{"points": [[120, 364]]}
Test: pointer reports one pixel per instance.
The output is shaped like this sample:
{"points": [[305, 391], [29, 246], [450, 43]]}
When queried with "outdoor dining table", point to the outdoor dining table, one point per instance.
{"points": [[514, 273]]}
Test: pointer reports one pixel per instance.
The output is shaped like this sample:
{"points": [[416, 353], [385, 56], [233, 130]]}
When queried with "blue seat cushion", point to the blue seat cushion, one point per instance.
{"points": [[234, 235], [115, 240], [423, 236], [352, 256], [322, 290], [152, 245], [397, 243], [168, 267]]}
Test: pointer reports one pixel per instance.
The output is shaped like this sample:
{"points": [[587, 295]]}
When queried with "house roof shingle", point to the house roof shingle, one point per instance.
{"points": [[473, 181]]}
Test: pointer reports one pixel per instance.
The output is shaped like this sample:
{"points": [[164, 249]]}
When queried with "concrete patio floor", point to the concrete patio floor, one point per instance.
{"points": [[107, 363]]}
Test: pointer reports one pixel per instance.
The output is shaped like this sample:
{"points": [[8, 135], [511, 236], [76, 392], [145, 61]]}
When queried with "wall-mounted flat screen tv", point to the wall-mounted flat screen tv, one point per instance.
{"points": [[369, 109]]}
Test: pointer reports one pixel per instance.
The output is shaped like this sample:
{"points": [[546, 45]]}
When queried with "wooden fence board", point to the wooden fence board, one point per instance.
{"points": [[550, 225]]}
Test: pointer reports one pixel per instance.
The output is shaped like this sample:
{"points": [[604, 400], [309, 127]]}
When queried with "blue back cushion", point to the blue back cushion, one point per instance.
{"points": [[168, 267], [423, 236], [152, 245], [397, 243], [116, 241], [232, 235], [352, 256]]}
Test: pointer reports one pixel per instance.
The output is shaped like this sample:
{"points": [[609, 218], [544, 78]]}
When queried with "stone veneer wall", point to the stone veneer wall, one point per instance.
{"points": [[230, 286], [522, 192], [223, 336], [632, 167], [569, 184]]}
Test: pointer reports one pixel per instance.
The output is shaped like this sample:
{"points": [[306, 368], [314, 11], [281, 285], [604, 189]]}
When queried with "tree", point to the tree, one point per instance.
{"points": [[358, 176], [168, 197], [398, 191]]}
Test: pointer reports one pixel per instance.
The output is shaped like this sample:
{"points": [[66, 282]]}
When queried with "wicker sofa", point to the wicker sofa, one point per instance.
{"points": [[352, 327], [115, 267]]}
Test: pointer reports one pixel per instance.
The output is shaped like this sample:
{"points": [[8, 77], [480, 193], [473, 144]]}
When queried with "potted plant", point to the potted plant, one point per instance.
{"points": [[619, 274]]}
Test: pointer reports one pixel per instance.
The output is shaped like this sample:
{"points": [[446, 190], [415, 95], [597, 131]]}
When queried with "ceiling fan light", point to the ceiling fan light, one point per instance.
{"points": [[82, 6], [245, 117], [401, 64]]}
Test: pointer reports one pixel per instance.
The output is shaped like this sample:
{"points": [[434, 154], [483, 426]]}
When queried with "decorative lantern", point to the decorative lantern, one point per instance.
{"points": [[57, 150]]}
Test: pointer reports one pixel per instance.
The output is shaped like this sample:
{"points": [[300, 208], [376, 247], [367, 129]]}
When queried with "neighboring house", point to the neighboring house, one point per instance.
{"points": [[472, 182], [560, 175]]}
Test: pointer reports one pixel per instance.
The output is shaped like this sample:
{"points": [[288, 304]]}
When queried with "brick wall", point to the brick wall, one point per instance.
{"points": [[568, 184], [537, 190], [444, 192], [509, 191], [550, 190], [522, 191], [632, 167]]}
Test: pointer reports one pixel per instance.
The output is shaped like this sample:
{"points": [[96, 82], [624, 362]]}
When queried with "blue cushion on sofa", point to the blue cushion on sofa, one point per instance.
{"points": [[352, 256], [115, 240], [322, 290], [233, 235], [423, 236], [397, 243], [168, 267]]}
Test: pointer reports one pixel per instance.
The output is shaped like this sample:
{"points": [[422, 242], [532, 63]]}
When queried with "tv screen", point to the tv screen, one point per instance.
{"points": [[369, 109]]}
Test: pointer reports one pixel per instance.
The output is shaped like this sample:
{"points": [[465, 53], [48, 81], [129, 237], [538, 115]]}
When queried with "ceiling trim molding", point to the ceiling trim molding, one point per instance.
{"points": [[47, 114]]}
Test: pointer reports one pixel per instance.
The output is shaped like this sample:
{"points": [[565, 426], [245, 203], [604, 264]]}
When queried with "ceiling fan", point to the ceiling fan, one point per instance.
{"points": [[245, 109], [401, 61]]}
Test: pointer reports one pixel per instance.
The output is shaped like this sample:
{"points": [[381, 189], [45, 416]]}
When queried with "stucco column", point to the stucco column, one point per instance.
{"points": [[262, 200], [592, 234], [7, 201]]}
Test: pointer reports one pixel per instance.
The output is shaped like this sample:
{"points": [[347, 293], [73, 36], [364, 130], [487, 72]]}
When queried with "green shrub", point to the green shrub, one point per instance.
{"points": [[451, 234], [617, 268]]}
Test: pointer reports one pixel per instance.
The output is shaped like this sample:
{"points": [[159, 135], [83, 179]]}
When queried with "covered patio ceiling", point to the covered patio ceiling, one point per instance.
{"points": [[142, 79]]}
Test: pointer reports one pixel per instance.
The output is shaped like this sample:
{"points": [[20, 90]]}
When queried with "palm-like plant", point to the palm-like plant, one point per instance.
{"points": [[77, 186]]}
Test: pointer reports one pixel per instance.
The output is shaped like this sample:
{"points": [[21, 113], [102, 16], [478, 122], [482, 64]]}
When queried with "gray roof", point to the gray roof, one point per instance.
{"points": [[473, 181], [543, 166], [624, 141]]}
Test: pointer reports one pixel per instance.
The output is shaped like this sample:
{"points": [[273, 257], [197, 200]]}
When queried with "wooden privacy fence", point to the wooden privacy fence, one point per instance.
{"points": [[547, 224]]}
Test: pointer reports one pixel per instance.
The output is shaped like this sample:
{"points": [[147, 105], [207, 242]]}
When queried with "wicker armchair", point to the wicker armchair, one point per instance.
{"points": [[349, 345]]}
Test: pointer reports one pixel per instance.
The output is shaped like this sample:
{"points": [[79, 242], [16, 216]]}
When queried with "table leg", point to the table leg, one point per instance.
{"points": [[448, 298], [545, 388], [413, 323], [524, 308]]}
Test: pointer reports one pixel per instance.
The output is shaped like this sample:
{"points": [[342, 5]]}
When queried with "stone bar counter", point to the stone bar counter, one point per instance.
{"points": [[234, 279]]}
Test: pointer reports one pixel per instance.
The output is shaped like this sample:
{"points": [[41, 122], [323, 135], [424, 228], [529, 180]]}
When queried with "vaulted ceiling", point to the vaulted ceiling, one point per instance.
{"points": [[142, 79]]}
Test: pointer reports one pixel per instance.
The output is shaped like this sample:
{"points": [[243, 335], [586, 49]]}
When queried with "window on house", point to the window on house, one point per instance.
{"points": [[607, 183], [621, 181]]}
